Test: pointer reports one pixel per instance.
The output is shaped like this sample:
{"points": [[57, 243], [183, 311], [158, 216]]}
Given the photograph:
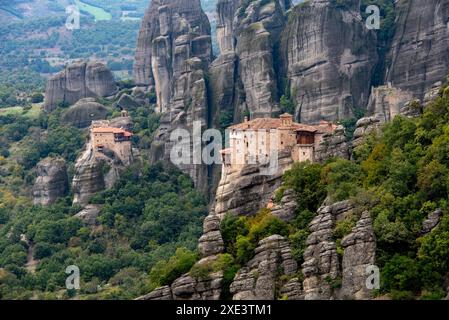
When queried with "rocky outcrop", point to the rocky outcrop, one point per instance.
{"points": [[386, 102], [89, 214], [321, 267], [51, 182], [95, 174], [286, 208], [329, 58], [359, 254], [173, 54], [420, 46], [89, 177], [431, 222], [83, 113], [211, 242], [225, 24], [128, 102], [334, 145], [364, 127], [246, 191], [258, 28], [258, 280], [78, 81]]}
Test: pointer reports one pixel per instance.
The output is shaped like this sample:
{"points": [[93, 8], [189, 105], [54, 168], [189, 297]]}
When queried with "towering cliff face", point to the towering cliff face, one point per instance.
{"points": [[420, 48], [173, 54], [258, 280], [51, 182], [77, 81], [329, 57], [258, 28]]}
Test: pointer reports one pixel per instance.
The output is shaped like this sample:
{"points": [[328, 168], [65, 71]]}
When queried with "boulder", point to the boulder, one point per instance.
{"points": [[51, 182], [83, 113], [77, 81]]}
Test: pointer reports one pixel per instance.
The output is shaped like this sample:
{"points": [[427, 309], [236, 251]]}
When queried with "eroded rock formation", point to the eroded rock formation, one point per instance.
{"points": [[321, 267], [246, 191], [173, 54], [77, 81], [258, 280], [83, 113], [329, 58], [420, 46], [51, 182], [359, 255]]}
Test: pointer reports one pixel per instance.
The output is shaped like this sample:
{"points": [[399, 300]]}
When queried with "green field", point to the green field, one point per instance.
{"points": [[31, 113], [99, 13]]}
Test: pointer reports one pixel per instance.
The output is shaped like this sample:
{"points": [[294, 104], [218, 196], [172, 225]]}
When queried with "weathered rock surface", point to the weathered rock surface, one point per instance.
{"points": [[259, 279], [51, 182], [321, 264], [420, 46], [225, 24], [127, 102], [173, 54], [329, 58], [432, 221], [83, 113], [92, 174], [258, 28], [359, 254], [211, 242], [364, 127], [334, 145], [286, 208], [78, 81], [386, 102], [89, 214], [246, 191]]}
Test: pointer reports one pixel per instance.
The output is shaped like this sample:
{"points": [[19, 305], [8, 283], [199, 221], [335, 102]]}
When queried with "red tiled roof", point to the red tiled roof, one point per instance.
{"points": [[271, 123], [112, 130]]}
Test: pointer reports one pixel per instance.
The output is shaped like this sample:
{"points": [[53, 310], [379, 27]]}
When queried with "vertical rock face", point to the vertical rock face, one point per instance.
{"points": [[211, 242], [77, 81], [359, 254], [246, 191], [334, 145], [51, 182], [329, 58], [258, 29], [258, 280], [386, 102], [420, 48], [225, 24], [173, 54], [321, 265]]}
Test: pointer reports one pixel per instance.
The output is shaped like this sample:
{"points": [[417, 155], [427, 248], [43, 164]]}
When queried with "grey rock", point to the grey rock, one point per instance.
{"points": [[286, 208], [211, 242], [246, 191], [420, 46], [89, 214], [51, 182], [83, 113], [78, 81], [321, 263], [173, 54], [329, 57], [259, 278], [334, 145], [161, 293], [432, 221], [359, 254], [127, 102]]}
